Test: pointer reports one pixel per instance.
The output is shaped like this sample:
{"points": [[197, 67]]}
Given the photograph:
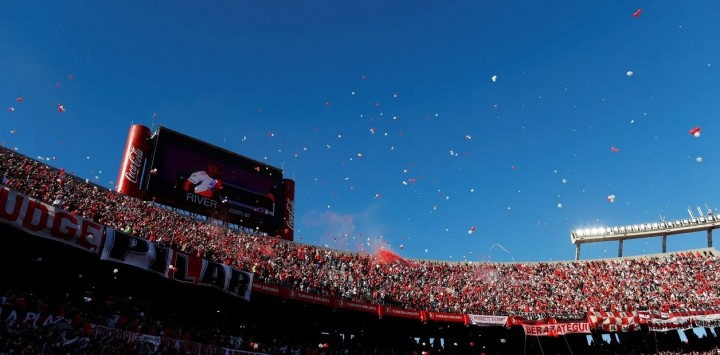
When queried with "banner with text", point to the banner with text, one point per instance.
{"points": [[556, 329], [122, 248], [43, 220], [482, 320]]}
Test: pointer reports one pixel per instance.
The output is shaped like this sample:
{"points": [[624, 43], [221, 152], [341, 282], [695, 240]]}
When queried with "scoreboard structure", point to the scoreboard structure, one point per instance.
{"points": [[179, 171]]}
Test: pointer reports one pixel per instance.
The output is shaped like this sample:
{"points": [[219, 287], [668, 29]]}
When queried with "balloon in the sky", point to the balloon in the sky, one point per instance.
{"points": [[629, 73], [611, 198], [698, 159]]}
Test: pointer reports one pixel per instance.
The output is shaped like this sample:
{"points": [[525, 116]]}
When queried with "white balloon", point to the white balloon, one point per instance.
{"points": [[559, 205], [630, 73], [115, 271], [698, 159]]}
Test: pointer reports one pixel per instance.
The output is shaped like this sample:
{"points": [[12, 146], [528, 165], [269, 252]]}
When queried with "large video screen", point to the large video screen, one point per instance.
{"points": [[201, 178]]}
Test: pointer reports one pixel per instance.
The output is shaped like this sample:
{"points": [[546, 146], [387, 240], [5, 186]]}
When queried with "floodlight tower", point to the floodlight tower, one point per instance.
{"points": [[663, 229]]}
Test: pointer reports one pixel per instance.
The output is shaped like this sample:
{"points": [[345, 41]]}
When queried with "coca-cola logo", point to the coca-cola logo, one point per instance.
{"points": [[135, 158], [290, 220]]}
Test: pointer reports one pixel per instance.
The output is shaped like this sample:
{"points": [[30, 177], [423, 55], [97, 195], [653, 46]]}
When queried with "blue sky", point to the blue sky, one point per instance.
{"points": [[386, 114]]}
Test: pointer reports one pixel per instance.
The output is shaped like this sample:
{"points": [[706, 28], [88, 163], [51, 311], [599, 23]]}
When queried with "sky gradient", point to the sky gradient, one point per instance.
{"points": [[405, 124]]}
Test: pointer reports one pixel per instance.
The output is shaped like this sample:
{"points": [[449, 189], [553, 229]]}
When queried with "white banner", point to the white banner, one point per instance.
{"points": [[126, 249], [43, 220], [483, 320]]}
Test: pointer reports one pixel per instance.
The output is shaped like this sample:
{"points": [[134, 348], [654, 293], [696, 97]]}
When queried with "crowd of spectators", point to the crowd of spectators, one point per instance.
{"points": [[677, 280]]}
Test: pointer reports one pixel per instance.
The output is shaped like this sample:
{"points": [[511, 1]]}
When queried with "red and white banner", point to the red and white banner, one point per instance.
{"points": [[615, 321], [310, 298], [447, 317], [138, 252], [482, 320], [357, 306], [269, 289], [47, 221], [556, 329], [402, 312]]}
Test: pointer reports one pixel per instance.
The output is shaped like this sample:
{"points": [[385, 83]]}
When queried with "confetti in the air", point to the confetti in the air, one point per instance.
{"points": [[11, 109], [615, 149], [494, 78], [611, 198], [695, 132], [471, 230], [19, 99], [637, 13], [629, 73], [699, 159], [61, 108], [559, 205]]}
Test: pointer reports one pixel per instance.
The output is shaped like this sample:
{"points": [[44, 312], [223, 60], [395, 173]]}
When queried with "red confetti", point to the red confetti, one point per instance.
{"points": [[61, 108], [615, 149], [695, 130], [19, 99], [387, 256], [637, 13], [70, 77], [472, 229]]}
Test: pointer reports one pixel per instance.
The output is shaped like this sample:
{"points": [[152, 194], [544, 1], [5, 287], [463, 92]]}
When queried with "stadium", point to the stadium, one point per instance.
{"points": [[147, 270]]}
